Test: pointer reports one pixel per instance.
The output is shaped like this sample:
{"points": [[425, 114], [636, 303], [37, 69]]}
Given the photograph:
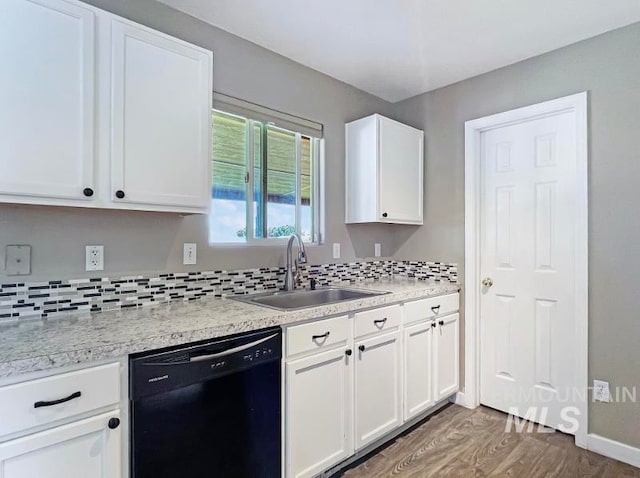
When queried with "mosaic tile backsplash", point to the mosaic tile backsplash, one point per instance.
{"points": [[60, 298]]}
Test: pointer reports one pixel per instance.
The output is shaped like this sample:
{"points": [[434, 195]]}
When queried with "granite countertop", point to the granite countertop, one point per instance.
{"points": [[35, 345]]}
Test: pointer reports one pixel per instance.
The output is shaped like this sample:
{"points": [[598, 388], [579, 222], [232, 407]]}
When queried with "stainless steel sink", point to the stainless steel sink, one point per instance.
{"points": [[303, 299]]}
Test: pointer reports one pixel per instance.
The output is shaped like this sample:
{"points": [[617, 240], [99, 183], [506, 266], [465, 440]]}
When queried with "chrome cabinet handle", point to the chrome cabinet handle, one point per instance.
{"points": [[320, 337], [487, 282]]}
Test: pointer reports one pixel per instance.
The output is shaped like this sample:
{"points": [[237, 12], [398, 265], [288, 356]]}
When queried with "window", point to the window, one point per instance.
{"points": [[274, 167]]}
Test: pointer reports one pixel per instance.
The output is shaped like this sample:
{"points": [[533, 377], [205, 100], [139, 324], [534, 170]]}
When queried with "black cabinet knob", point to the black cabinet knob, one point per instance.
{"points": [[114, 423], [441, 322], [120, 194], [384, 214], [88, 192], [433, 325], [361, 348], [348, 352]]}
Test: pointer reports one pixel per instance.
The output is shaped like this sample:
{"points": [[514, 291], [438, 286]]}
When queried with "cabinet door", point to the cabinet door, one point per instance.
{"points": [[87, 448], [418, 367], [377, 387], [318, 412], [47, 97], [161, 120], [400, 169], [447, 365]]}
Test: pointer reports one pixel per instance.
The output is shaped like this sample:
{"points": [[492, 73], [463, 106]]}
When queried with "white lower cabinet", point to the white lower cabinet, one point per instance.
{"points": [[418, 368], [85, 448], [351, 381], [446, 346], [378, 397], [66, 425], [318, 412]]}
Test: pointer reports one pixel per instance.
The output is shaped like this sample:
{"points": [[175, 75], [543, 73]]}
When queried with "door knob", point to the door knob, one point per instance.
{"points": [[487, 282]]}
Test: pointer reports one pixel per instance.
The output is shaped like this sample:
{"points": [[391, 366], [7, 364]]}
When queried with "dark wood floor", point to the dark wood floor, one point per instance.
{"points": [[457, 442]]}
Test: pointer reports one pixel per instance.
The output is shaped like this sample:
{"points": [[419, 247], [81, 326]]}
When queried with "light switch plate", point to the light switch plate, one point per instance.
{"points": [[377, 249], [336, 250], [18, 260], [189, 254]]}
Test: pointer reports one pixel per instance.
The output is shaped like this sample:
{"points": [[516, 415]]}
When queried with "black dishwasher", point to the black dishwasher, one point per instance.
{"points": [[208, 410]]}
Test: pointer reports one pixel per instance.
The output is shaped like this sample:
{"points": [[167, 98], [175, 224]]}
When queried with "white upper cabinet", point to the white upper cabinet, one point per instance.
{"points": [[161, 119], [47, 65], [384, 171], [98, 111]]}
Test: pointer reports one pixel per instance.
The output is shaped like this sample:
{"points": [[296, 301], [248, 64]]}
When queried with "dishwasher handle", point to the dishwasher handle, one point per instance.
{"points": [[231, 351]]}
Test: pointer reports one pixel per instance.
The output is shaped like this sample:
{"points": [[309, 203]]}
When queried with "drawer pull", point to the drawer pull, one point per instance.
{"points": [[435, 309], [320, 337], [380, 322], [57, 402]]}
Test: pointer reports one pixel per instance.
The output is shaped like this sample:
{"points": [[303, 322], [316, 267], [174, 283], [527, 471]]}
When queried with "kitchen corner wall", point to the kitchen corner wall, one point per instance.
{"points": [[608, 67], [139, 242]]}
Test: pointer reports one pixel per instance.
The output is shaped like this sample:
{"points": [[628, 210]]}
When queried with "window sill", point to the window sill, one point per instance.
{"points": [[276, 243]]}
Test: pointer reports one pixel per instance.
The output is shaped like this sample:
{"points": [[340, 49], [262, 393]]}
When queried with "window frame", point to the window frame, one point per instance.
{"points": [[316, 184]]}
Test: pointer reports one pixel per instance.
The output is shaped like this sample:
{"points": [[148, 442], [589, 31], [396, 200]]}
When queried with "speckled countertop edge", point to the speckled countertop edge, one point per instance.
{"points": [[39, 345]]}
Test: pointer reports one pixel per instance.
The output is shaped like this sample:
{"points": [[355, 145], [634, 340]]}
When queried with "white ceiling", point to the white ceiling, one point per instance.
{"points": [[396, 49]]}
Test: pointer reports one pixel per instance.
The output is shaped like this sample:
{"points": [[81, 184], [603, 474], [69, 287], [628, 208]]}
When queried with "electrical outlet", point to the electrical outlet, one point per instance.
{"points": [[377, 249], [94, 258], [189, 254], [601, 391], [336, 250]]}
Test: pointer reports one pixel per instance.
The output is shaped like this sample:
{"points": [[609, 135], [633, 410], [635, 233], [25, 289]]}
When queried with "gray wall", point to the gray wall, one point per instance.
{"points": [[608, 67], [149, 242]]}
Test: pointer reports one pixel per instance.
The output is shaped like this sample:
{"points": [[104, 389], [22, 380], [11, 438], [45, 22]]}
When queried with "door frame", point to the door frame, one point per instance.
{"points": [[577, 104]]}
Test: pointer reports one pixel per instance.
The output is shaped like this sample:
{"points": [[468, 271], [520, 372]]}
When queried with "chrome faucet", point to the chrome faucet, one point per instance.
{"points": [[292, 271]]}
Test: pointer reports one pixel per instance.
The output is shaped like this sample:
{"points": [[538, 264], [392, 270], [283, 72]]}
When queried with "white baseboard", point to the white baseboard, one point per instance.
{"points": [[613, 449], [461, 399]]}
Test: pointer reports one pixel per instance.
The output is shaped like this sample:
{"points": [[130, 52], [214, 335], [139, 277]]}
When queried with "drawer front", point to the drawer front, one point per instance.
{"points": [[39, 402], [431, 307], [317, 335], [377, 320]]}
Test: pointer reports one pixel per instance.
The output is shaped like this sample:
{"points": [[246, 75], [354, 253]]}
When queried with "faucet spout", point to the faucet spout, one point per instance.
{"points": [[292, 271]]}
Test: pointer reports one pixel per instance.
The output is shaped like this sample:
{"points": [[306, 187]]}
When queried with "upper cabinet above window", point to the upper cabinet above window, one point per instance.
{"points": [[384, 171], [101, 112]]}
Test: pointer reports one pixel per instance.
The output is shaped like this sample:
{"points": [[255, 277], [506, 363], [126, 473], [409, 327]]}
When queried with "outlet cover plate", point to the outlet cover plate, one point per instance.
{"points": [[377, 249], [601, 391], [18, 260], [94, 258], [336, 250], [189, 254]]}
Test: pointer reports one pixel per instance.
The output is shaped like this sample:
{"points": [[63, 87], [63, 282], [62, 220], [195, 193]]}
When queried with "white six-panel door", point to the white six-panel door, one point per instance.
{"points": [[47, 84], [527, 250]]}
